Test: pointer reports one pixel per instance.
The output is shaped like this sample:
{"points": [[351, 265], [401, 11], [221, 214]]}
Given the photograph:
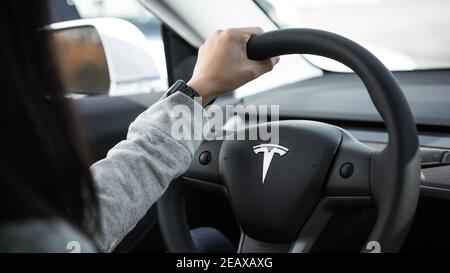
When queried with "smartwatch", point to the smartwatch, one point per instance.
{"points": [[181, 86]]}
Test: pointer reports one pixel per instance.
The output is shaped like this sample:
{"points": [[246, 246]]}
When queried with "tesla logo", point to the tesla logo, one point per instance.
{"points": [[269, 150]]}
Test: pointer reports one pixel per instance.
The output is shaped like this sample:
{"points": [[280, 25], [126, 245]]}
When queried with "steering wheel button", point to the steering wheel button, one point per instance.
{"points": [[346, 170], [205, 158]]}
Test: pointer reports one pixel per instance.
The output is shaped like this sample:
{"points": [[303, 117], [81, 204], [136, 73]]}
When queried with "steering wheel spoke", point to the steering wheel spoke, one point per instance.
{"points": [[250, 245], [351, 170], [320, 217], [204, 169], [311, 231]]}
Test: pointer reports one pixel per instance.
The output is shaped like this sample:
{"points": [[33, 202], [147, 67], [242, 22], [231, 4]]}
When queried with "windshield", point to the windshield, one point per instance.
{"points": [[403, 34]]}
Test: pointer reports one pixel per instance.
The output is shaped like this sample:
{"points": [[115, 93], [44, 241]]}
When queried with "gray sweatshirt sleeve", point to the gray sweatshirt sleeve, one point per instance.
{"points": [[137, 171]]}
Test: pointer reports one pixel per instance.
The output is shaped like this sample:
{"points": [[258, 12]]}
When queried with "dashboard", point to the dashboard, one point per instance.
{"points": [[435, 155], [342, 97]]}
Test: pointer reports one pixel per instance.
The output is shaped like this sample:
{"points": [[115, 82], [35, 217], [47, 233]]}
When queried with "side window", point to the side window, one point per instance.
{"points": [[134, 65]]}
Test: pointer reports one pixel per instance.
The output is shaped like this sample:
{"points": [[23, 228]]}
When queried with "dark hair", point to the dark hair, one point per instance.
{"points": [[44, 169]]}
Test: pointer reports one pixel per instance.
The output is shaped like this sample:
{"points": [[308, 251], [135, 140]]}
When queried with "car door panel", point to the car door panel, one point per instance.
{"points": [[106, 119]]}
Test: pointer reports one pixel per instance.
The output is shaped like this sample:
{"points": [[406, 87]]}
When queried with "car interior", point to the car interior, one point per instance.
{"points": [[413, 106]]}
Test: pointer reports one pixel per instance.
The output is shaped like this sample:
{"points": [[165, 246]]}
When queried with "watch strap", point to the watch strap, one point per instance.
{"points": [[181, 86]]}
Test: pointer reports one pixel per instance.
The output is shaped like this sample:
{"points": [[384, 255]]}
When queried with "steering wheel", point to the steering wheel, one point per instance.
{"points": [[315, 170]]}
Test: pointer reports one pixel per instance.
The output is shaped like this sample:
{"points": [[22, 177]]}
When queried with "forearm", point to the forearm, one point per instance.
{"points": [[137, 171]]}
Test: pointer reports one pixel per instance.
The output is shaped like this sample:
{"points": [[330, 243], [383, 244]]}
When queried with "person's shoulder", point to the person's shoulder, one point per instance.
{"points": [[46, 236]]}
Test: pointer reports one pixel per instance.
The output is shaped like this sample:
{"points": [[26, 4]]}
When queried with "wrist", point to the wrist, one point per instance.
{"points": [[204, 89]]}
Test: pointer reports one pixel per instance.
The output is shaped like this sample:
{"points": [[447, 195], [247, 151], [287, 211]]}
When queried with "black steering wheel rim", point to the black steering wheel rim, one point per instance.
{"points": [[395, 170]]}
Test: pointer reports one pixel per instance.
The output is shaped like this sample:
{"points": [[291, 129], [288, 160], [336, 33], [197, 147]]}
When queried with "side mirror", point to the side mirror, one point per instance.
{"points": [[105, 56]]}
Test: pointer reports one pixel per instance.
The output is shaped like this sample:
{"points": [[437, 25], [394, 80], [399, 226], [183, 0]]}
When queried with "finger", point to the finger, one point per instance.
{"points": [[275, 60], [267, 65], [250, 30], [245, 38], [262, 67]]}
